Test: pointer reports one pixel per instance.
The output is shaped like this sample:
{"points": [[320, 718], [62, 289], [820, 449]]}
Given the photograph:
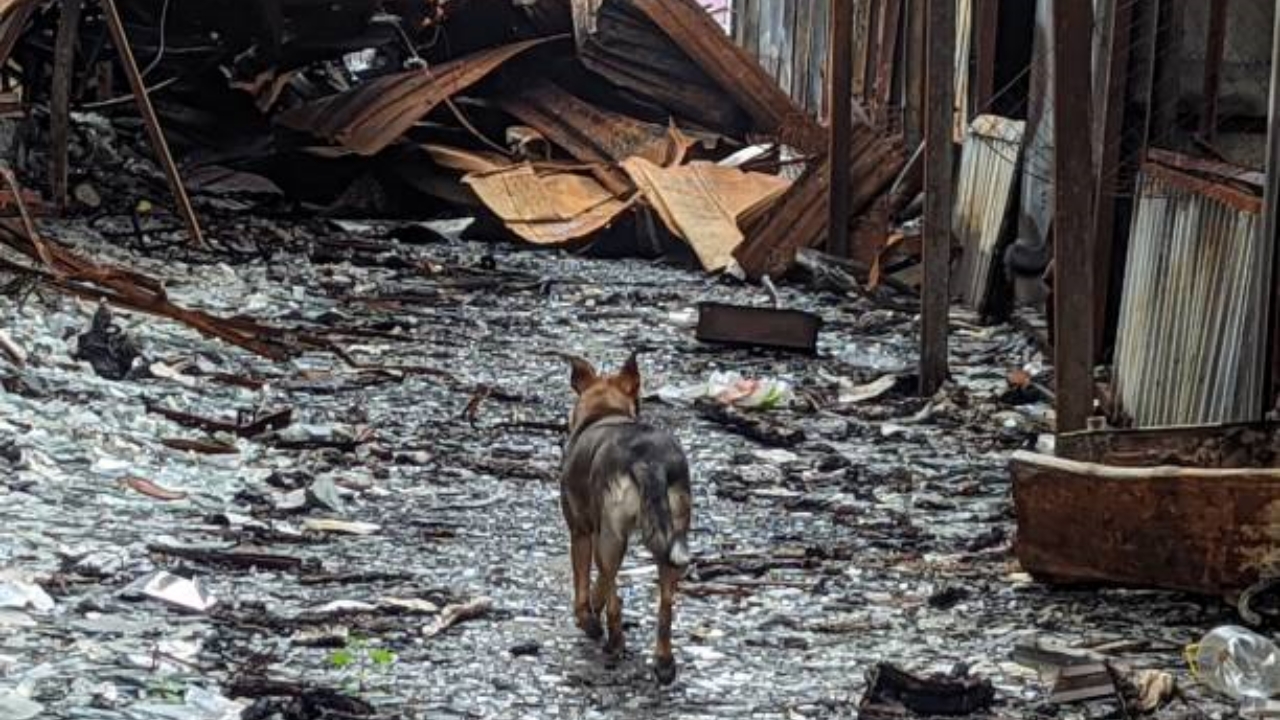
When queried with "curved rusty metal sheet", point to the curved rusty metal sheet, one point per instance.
{"points": [[371, 117]]}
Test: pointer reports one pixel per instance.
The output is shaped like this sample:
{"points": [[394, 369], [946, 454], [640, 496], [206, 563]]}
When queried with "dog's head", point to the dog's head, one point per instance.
{"points": [[601, 396]]}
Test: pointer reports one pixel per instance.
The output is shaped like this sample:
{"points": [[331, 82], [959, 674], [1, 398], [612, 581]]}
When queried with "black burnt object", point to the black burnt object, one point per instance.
{"points": [[106, 346], [895, 693]]}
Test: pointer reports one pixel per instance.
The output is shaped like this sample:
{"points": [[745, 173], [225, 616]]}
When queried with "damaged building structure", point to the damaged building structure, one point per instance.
{"points": [[1095, 175]]}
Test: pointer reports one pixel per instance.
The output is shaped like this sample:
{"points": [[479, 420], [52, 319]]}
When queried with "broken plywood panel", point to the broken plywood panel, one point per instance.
{"points": [[547, 207], [702, 203]]}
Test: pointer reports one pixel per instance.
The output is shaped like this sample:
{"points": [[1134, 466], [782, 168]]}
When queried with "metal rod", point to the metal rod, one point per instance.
{"points": [[121, 40]]}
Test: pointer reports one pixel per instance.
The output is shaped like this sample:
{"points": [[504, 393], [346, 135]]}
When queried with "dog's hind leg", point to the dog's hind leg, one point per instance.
{"points": [[664, 661], [587, 617], [610, 549]]}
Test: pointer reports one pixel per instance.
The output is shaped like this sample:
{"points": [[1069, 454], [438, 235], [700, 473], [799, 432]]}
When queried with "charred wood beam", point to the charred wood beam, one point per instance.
{"points": [[940, 109]]}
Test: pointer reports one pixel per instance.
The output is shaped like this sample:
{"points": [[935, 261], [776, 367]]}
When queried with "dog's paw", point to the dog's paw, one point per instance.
{"points": [[590, 625], [617, 644], [664, 669]]}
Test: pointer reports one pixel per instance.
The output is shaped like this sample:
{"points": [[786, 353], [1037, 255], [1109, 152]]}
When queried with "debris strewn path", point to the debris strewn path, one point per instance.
{"points": [[396, 537]]}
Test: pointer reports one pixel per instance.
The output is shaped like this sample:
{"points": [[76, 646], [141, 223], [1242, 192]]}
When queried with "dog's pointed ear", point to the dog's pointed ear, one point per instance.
{"points": [[583, 373], [629, 377]]}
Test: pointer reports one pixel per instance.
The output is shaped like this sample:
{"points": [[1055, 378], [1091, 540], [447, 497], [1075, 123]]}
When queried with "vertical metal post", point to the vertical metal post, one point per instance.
{"points": [[1271, 223], [840, 91], [1214, 46], [64, 57], [1074, 286], [939, 153], [1111, 102]]}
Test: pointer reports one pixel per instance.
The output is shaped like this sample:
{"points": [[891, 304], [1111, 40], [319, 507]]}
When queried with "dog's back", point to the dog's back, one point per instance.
{"points": [[621, 475]]}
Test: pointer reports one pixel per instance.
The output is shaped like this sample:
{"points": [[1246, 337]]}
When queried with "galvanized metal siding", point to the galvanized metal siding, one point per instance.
{"points": [[1193, 310], [989, 165], [790, 39]]}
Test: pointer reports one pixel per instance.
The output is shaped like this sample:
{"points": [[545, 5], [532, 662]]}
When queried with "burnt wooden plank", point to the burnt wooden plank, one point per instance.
{"points": [[1188, 529]]}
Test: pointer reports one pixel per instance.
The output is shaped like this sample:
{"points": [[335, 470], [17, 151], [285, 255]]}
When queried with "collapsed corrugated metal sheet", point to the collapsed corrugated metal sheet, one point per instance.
{"points": [[799, 219], [1190, 348], [369, 118], [632, 52], [771, 110], [13, 19], [547, 206], [592, 134], [988, 170], [703, 203]]}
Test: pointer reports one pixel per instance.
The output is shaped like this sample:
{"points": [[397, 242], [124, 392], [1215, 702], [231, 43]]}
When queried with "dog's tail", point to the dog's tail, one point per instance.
{"points": [[657, 527]]}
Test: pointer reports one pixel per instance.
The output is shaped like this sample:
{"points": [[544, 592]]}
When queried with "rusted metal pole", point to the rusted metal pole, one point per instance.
{"points": [[64, 60], [939, 153], [1271, 225], [1214, 46], [840, 92], [1074, 281], [987, 31], [121, 40], [1111, 100]]}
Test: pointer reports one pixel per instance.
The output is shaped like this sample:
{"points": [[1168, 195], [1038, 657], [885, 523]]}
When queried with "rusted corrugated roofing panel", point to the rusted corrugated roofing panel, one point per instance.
{"points": [[13, 20], [592, 134], [734, 70], [988, 170], [1193, 312], [371, 117]]}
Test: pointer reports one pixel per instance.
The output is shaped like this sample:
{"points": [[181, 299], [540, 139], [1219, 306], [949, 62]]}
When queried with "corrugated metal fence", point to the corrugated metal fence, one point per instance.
{"points": [[1190, 349]]}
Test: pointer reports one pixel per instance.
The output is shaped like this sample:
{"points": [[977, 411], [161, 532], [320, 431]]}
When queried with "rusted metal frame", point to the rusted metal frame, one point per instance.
{"points": [[121, 39], [1224, 171], [1112, 97], [840, 90], [1271, 224], [938, 191], [1225, 194], [1245, 445], [890, 21], [1189, 529], [1214, 50], [986, 35], [64, 57], [1074, 269]]}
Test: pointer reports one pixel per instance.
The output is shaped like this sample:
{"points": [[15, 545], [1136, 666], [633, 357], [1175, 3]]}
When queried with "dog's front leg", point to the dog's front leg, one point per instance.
{"points": [[580, 554]]}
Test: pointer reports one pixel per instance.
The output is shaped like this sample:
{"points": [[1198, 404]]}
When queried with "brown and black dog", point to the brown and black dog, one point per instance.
{"points": [[621, 475]]}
